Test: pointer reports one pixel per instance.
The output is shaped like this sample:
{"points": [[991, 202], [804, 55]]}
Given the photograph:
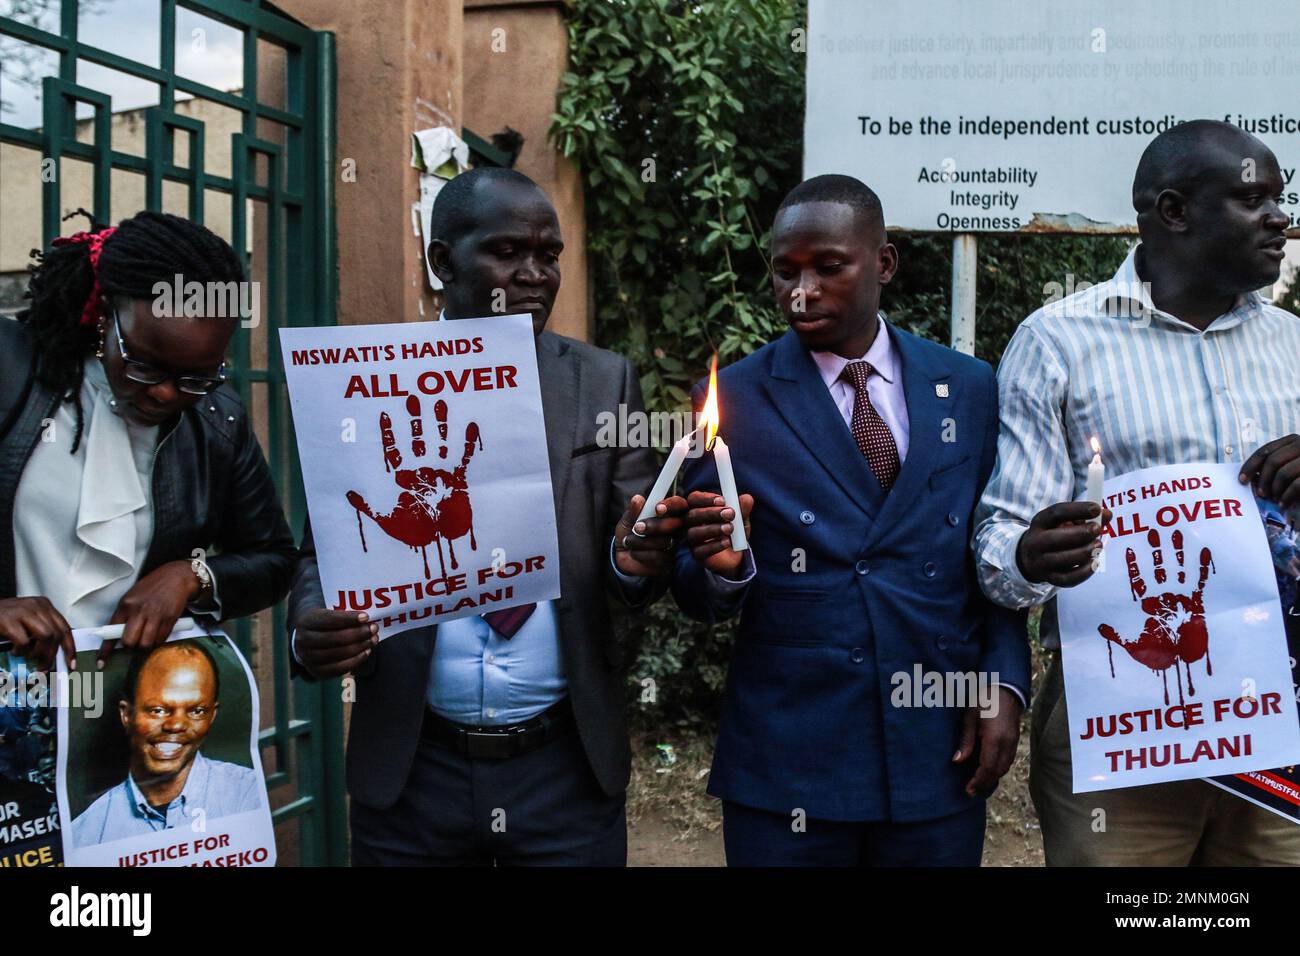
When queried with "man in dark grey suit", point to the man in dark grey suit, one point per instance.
{"points": [[501, 738]]}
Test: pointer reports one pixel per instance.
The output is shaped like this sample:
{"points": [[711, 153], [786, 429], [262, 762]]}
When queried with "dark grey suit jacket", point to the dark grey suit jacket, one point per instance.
{"points": [[592, 486]]}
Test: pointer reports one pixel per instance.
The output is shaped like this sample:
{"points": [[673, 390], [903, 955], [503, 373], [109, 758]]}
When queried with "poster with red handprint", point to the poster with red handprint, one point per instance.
{"points": [[424, 457], [1175, 651]]}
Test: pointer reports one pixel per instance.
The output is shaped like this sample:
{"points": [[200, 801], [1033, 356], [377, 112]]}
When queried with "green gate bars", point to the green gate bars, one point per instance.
{"points": [[221, 111]]}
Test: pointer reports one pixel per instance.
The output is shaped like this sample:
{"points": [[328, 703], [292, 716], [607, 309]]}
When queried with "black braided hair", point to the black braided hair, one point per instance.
{"points": [[148, 248]]}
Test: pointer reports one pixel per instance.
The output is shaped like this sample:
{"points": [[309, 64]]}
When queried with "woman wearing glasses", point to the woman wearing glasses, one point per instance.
{"points": [[132, 488]]}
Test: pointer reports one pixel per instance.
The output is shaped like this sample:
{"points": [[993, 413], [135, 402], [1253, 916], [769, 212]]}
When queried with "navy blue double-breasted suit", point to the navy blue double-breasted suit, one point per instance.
{"points": [[853, 586]]}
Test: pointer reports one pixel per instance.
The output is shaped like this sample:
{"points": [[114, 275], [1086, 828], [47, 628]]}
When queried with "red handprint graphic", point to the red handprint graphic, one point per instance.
{"points": [[1175, 626], [433, 505]]}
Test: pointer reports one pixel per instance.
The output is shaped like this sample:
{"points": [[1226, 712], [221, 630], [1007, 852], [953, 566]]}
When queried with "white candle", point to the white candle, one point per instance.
{"points": [[667, 476], [1096, 479], [727, 478]]}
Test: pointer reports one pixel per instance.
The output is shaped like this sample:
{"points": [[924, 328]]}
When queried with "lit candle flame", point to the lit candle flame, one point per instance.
{"points": [[709, 414], [1096, 445]]}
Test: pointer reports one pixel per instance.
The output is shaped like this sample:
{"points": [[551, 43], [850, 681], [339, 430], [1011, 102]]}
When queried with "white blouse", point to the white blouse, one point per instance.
{"points": [[83, 522]]}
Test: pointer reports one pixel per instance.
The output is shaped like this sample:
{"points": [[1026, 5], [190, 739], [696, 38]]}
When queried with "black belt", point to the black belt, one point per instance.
{"points": [[499, 742]]}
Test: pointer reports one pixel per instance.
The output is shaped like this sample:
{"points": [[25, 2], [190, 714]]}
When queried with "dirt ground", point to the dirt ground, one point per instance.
{"points": [[673, 822]]}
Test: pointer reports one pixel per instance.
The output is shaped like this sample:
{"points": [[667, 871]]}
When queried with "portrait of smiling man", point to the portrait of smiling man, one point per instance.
{"points": [[169, 704]]}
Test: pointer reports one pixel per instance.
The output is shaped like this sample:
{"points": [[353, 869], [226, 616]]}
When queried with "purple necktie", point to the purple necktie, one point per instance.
{"points": [[873, 436], [508, 622]]}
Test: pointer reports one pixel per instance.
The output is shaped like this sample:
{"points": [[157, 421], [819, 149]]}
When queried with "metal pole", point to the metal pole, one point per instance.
{"points": [[329, 730], [963, 293]]}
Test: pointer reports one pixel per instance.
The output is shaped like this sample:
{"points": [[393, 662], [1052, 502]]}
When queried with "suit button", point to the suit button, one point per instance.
{"points": [[942, 642], [930, 569], [857, 656], [953, 519], [862, 568], [807, 517]]}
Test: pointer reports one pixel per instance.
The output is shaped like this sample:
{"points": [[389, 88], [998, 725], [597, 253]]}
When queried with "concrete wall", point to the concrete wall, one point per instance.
{"points": [[516, 87]]}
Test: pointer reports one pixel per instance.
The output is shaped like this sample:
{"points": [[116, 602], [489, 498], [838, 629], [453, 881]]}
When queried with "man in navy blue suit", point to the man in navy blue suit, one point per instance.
{"points": [[854, 730]]}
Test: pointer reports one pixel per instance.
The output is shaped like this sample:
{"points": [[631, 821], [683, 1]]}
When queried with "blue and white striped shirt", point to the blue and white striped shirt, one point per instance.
{"points": [[1154, 390]]}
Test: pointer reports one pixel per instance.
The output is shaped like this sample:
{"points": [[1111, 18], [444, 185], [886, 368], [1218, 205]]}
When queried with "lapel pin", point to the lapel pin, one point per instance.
{"points": [[941, 390]]}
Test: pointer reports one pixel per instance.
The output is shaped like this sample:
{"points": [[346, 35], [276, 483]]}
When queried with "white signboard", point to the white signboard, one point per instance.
{"points": [[1004, 115], [423, 452], [1175, 653]]}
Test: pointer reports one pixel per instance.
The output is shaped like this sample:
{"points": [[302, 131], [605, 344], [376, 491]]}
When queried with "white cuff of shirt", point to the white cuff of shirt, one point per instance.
{"points": [[1020, 695], [1006, 583], [293, 647]]}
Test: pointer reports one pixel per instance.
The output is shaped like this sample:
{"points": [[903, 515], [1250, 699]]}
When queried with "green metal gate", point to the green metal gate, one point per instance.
{"points": [[254, 161]]}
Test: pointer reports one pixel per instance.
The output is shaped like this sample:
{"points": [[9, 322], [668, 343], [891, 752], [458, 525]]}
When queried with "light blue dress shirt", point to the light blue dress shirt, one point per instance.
{"points": [[479, 677], [214, 789]]}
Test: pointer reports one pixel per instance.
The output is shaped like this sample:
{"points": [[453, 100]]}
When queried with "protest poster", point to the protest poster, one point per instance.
{"points": [[168, 773], [29, 813], [1174, 652], [423, 450], [1278, 789]]}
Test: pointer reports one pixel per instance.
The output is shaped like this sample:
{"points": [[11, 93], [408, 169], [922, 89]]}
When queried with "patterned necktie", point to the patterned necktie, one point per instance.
{"points": [[871, 433], [508, 622]]}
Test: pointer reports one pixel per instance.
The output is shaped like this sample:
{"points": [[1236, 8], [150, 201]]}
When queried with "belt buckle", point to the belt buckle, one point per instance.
{"points": [[490, 746]]}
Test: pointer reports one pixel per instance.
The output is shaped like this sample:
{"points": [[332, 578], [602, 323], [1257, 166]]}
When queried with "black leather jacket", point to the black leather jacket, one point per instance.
{"points": [[212, 488]]}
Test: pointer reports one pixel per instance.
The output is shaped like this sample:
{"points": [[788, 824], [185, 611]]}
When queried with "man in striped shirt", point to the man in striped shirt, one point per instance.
{"points": [[1176, 359]]}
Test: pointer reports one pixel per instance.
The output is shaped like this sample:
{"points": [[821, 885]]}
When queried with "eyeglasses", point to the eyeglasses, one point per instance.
{"points": [[145, 374]]}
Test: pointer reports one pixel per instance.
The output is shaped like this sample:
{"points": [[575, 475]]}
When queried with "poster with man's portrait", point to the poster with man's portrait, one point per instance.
{"points": [[29, 813], [168, 774]]}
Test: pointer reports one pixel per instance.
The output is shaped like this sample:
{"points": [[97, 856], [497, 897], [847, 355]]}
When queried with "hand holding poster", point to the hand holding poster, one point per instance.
{"points": [[168, 772], [424, 455], [1174, 652]]}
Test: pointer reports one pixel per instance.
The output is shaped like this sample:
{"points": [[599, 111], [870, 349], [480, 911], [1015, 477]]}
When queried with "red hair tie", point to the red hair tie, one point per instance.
{"points": [[95, 307]]}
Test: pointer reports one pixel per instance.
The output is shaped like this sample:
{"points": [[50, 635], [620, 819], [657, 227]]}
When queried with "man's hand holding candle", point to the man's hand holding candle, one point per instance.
{"points": [[644, 547], [1061, 542], [708, 531]]}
